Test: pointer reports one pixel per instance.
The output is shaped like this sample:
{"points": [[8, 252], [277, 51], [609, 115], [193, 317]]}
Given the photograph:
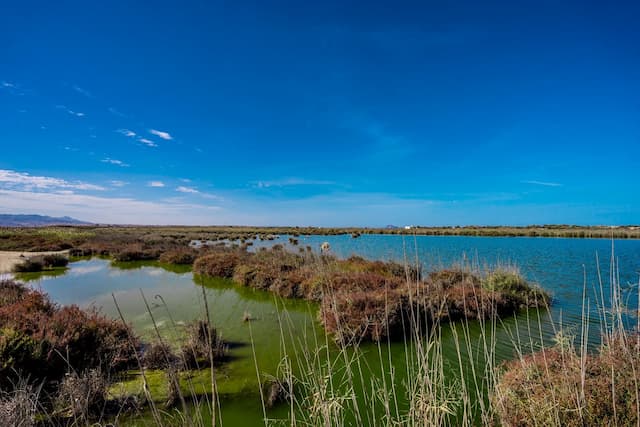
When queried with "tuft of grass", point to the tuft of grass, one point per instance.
{"points": [[19, 406]]}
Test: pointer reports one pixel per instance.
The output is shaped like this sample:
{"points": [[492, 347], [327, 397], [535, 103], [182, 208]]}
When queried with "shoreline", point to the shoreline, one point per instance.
{"points": [[9, 259]]}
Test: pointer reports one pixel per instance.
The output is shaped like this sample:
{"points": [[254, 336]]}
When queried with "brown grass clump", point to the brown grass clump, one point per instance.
{"points": [[81, 396], [363, 315], [559, 387], [203, 343], [182, 256], [159, 356], [277, 391], [19, 406], [218, 263], [135, 252]]}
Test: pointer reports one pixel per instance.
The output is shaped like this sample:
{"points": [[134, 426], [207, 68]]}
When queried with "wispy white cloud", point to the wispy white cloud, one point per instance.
{"points": [[70, 111], [147, 142], [115, 162], [118, 183], [543, 183], [190, 190], [115, 112], [158, 184], [82, 92], [161, 134], [12, 88], [193, 190], [127, 132], [13, 179], [287, 182]]}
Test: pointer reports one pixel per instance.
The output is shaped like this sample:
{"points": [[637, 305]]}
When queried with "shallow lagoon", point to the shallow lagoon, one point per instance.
{"points": [[284, 327]]}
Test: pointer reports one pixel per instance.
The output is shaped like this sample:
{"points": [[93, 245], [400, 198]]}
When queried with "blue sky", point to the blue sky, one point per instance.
{"points": [[327, 114]]}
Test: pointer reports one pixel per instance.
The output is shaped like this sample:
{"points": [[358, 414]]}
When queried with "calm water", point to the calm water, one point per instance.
{"points": [[558, 265]]}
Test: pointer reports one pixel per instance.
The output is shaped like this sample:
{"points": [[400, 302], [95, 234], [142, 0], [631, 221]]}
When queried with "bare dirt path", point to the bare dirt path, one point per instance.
{"points": [[8, 259]]}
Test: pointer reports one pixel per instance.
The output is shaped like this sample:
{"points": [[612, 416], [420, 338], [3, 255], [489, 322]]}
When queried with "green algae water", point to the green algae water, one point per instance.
{"points": [[289, 329]]}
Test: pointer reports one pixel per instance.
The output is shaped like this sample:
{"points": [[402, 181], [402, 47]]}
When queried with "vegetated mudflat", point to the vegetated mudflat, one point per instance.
{"points": [[274, 339]]}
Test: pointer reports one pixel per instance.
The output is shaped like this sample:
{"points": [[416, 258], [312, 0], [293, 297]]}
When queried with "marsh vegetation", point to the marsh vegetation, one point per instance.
{"points": [[458, 344]]}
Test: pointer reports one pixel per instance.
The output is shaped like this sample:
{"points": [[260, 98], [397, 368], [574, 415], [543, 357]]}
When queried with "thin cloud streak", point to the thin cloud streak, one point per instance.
{"points": [[147, 142], [70, 111], [127, 132], [115, 112], [82, 92], [543, 183], [190, 190], [160, 134], [115, 162], [157, 184], [291, 182]]}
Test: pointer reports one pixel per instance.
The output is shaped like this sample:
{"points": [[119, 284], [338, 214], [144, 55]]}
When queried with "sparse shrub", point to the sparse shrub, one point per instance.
{"points": [[55, 260], [217, 264], [447, 278], [515, 289], [42, 341], [28, 266], [179, 256], [244, 275], [362, 315], [277, 390], [82, 396], [18, 407], [159, 356], [557, 387], [135, 252], [202, 344]]}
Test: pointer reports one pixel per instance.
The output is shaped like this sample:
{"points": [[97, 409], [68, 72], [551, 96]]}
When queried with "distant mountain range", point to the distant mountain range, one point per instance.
{"points": [[11, 220]]}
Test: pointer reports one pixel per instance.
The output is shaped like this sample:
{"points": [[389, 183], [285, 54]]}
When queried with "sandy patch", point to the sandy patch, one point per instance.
{"points": [[9, 259]]}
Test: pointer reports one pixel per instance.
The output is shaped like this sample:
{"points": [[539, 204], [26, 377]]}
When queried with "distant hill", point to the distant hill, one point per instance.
{"points": [[10, 220]]}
